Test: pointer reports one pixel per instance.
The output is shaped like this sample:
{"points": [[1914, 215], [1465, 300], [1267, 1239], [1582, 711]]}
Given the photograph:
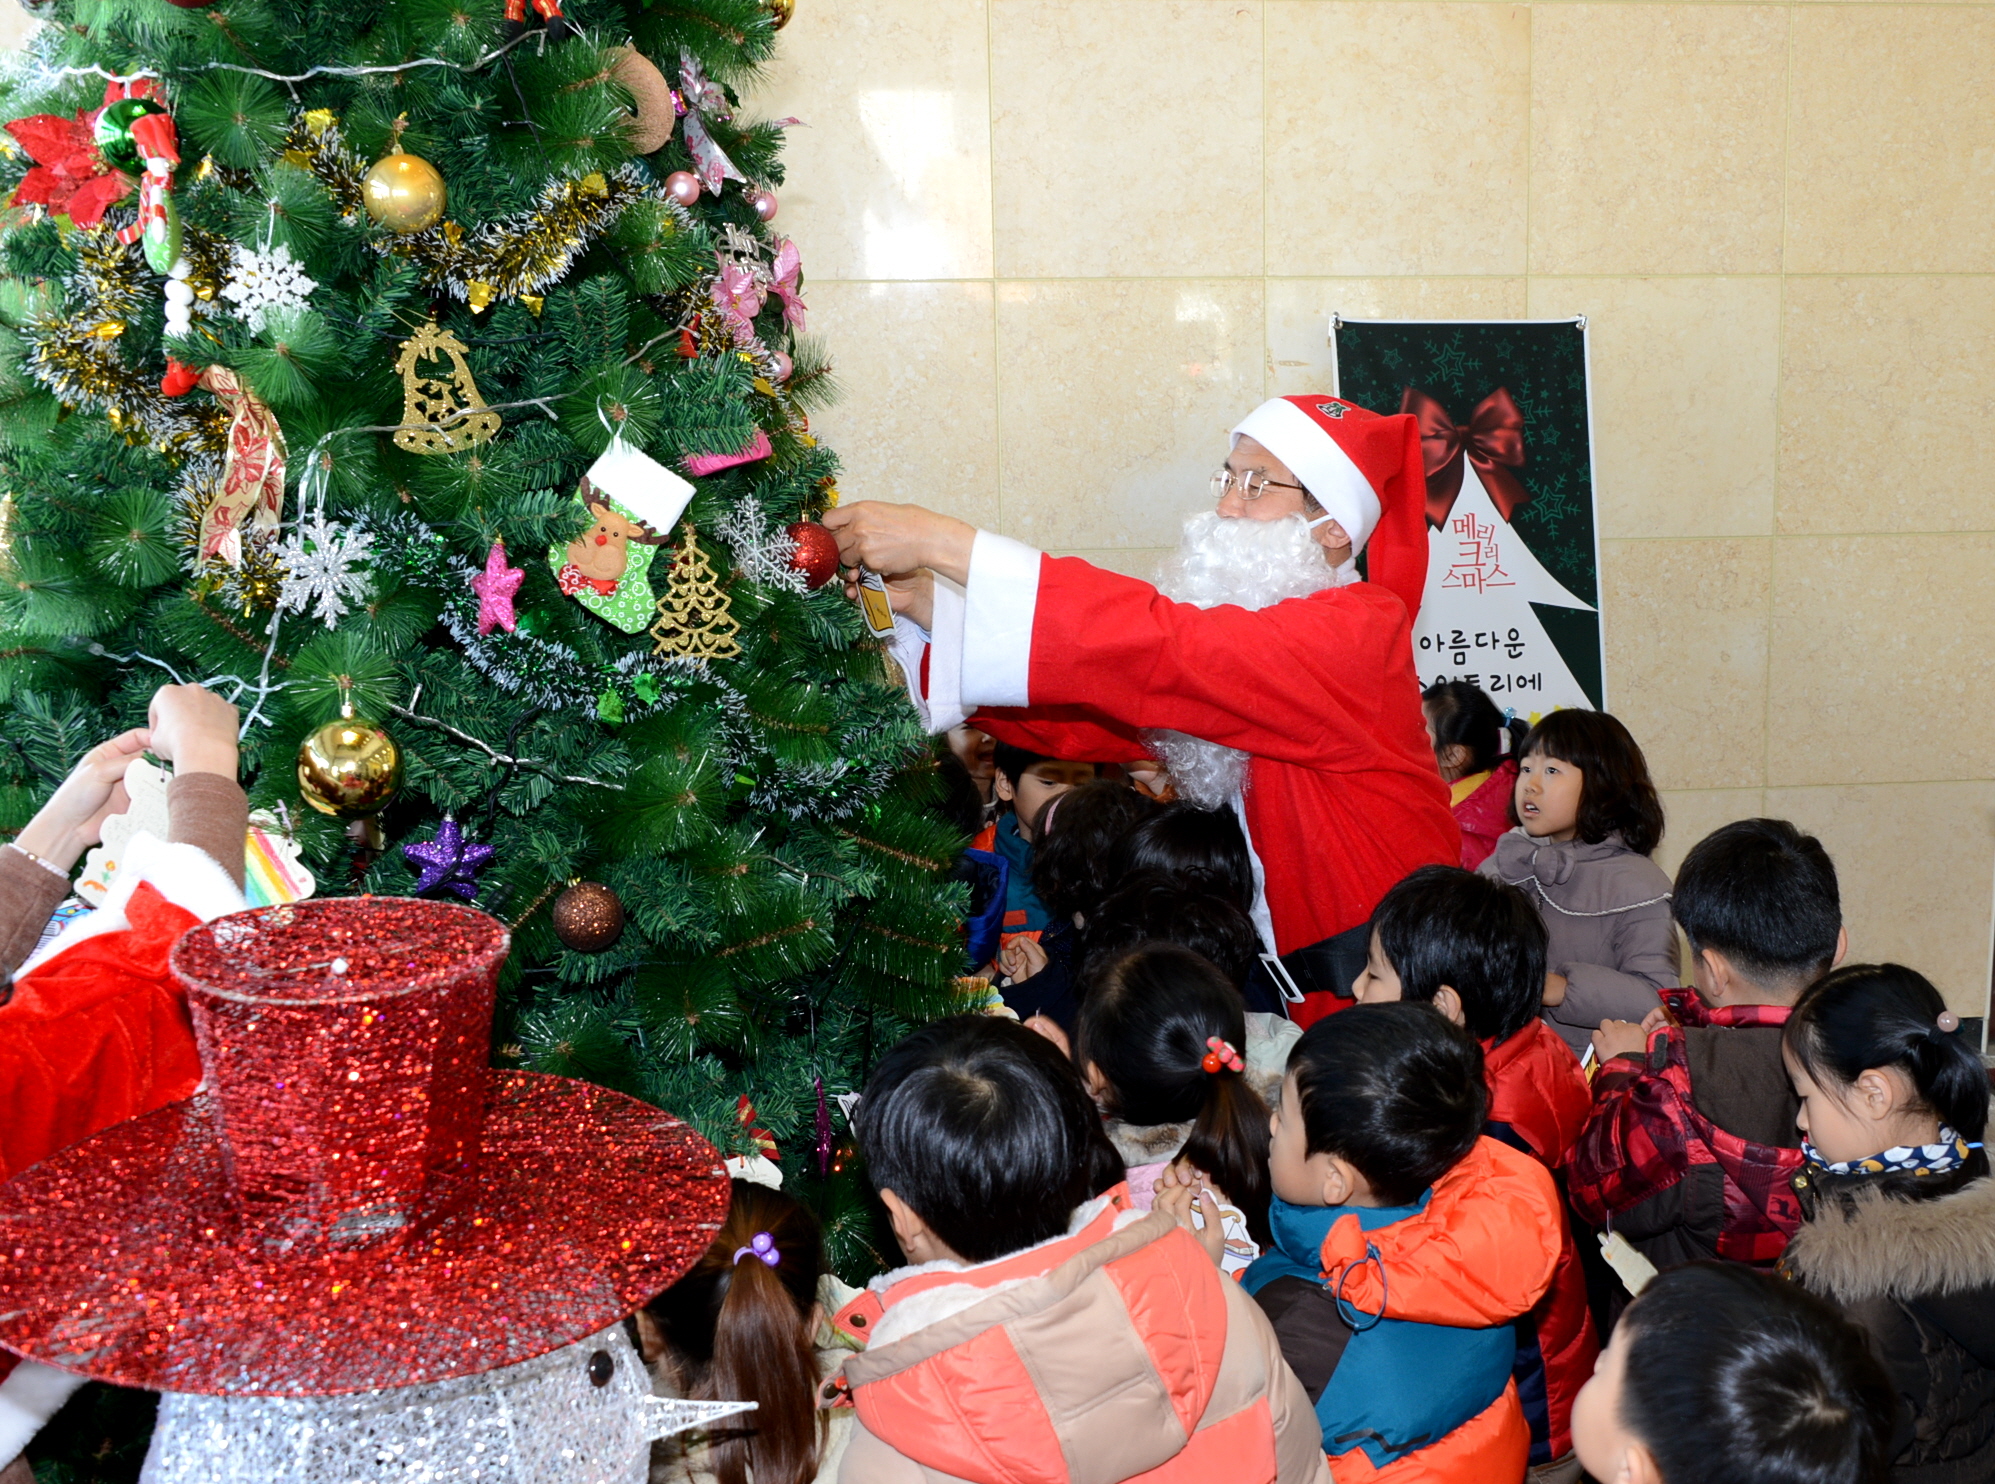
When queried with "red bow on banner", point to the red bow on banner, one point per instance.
{"points": [[1494, 439], [69, 177]]}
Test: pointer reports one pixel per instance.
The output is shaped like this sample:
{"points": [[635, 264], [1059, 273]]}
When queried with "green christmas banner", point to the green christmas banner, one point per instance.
{"points": [[1513, 563]]}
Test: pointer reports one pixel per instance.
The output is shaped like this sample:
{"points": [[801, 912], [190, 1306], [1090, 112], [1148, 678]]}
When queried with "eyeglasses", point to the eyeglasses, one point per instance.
{"points": [[1251, 485]]}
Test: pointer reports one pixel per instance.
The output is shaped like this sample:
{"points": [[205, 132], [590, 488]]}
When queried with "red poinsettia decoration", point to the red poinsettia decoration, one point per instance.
{"points": [[70, 177]]}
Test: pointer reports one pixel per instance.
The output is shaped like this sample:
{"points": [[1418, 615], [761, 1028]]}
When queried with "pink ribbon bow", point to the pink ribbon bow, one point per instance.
{"points": [[704, 99]]}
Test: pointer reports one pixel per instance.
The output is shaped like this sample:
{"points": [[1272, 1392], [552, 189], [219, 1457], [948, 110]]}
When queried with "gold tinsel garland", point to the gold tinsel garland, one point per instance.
{"points": [[73, 351], [517, 257]]}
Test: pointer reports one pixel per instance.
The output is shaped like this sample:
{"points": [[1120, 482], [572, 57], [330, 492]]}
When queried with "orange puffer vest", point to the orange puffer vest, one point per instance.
{"points": [[1117, 1352]]}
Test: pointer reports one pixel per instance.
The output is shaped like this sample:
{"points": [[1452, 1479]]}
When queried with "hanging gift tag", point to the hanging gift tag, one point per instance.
{"points": [[634, 502], [273, 866], [874, 604], [1634, 1270], [145, 786]]}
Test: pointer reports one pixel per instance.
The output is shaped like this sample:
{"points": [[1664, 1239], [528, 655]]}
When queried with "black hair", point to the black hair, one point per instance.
{"points": [[1616, 794], [1461, 715], [1149, 907], [1479, 936], [962, 802], [1198, 847], [1145, 1025], [1014, 762], [1738, 1377], [985, 1130], [1074, 837], [1886, 1015], [1764, 895], [1396, 1090]]}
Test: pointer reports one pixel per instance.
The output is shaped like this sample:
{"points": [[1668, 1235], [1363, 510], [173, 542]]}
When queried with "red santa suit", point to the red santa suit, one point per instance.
{"points": [[1342, 796]]}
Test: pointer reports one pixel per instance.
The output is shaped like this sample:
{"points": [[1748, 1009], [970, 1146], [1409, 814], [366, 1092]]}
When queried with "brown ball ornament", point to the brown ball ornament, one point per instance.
{"points": [[816, 553], [651, 125], [404, 193], [588, 917], [350, 767]]}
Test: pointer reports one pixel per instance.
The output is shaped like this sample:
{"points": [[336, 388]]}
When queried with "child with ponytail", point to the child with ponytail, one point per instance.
{"points": [[739, 1326], [1160, 1041], [1476, 748], [1899, 1227]]}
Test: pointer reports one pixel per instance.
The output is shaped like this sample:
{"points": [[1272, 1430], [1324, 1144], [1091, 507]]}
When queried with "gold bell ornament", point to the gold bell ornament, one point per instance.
{"points": [[440, 414], [350, 767]]}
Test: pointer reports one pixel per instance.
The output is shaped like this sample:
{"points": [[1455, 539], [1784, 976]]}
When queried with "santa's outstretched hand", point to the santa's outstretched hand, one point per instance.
{"points": [[902, 543]]}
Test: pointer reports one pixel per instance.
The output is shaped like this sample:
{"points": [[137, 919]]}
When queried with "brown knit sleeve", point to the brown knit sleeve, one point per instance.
{"points": [[28, 894], [210, 812]]}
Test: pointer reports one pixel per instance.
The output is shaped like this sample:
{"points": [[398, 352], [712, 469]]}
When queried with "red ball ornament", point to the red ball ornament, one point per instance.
{"points": [[191, 4], [816, 554], [764, 203], [683, 186]]}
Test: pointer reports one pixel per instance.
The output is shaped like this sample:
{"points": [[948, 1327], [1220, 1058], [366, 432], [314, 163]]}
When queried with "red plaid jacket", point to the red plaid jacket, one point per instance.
{"points": [[1646, 1135]]}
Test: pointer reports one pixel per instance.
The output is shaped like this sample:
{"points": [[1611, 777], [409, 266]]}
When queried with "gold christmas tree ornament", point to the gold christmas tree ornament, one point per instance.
{"points": [[440, 414], [349, 767], [694, 621]]}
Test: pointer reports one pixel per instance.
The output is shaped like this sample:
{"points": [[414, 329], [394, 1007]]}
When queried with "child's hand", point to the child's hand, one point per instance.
{"points": [[1656, 1017], [1177, 1202], [1621, 1038], [73, 820], [194, 729], [1555, 989], [1050, 1029], [1021, 958]]}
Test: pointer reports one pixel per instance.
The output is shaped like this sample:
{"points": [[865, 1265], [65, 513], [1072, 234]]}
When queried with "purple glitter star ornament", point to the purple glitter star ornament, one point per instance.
{"points": [[449, 862], [495, 587]]}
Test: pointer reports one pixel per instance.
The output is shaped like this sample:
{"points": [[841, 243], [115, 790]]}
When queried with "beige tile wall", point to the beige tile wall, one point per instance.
{"points": [[1057, 246]]}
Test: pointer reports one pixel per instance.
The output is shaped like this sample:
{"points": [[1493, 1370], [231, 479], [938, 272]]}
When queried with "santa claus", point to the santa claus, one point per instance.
{"points": [[1261, 667]]}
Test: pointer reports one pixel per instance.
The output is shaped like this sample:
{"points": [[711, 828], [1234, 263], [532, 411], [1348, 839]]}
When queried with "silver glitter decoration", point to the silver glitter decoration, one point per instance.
{"points": [[549, 1420]]}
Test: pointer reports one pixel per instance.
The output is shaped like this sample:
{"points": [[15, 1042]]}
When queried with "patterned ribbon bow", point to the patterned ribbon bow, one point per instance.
{"points": [[1493, 438], [704, 99], [159, 146]]}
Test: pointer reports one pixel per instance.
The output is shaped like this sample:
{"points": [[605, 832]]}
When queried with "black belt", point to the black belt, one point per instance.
{"points": [[1326, 967]]}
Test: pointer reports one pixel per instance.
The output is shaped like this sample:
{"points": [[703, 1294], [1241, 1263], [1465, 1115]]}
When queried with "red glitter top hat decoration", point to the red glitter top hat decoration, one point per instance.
{"points": [[354, 1200]]}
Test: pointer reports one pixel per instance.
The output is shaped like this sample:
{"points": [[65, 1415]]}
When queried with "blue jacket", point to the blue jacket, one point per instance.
{"points": [[1388, 1386]]}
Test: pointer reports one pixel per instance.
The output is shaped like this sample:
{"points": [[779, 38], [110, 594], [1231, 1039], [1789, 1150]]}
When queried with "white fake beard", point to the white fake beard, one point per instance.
{"points": [[1252, 564]]}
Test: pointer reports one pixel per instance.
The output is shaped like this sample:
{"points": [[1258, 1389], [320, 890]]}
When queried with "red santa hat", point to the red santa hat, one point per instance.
{"points": [[1366, 472]]}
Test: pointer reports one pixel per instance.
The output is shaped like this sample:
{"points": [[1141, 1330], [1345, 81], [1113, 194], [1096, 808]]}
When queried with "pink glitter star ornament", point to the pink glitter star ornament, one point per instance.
{"points": [[495, 587]]}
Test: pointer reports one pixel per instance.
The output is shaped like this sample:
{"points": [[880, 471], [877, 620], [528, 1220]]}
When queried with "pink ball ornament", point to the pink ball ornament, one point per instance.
{"points": [[683, 186], [784, 365], [764, 203]]}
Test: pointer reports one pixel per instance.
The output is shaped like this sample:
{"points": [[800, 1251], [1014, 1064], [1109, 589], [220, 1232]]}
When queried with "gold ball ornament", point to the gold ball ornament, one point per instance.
{"points": [[588, 917], [651, 124], [404, 193], [350, 767], [782, 10]]}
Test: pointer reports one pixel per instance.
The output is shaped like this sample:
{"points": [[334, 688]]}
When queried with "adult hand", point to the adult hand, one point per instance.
{"points": [[194, 729], [893, 539], [912, 593], [73, 820], [1555, 989], [1620, 1038]]}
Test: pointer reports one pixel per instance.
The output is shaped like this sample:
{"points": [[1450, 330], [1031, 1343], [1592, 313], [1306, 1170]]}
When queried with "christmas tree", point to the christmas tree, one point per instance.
{"points": [[352, 354]]}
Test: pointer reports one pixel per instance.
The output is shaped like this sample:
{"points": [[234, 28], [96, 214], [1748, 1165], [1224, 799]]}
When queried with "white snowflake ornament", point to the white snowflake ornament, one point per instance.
{"points": [[322, 567], [262, 281]]}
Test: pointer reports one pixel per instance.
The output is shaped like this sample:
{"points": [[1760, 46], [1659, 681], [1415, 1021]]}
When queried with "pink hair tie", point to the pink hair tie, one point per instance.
{"points": [[762, 1245], [1948, 1022], [1220, 1056]]}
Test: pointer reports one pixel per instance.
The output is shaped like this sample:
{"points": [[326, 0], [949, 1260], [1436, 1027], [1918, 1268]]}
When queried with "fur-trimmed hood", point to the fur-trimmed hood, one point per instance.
{"points": [[1146, 1144], [1866, 1245]]}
